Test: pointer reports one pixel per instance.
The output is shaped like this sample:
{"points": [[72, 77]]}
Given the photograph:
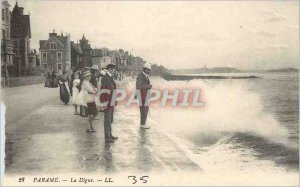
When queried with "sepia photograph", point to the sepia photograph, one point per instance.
{"points": [[149, 93]]}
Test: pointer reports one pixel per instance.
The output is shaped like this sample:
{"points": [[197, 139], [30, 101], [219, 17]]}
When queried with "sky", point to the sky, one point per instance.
{"points": [[178, 34]]}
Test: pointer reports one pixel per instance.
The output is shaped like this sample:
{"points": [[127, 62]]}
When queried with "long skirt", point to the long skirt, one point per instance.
{"points": [[64, 94], [54, 83], [47, 83]]}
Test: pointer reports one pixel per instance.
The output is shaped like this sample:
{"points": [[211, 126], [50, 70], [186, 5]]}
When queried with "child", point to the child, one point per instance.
{"points": [[80, 100], [75, 97]]}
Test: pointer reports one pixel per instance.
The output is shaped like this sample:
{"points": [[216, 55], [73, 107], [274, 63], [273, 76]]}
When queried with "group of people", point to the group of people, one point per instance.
{"points": [[83, 87], [51, 80], [62, 81]]}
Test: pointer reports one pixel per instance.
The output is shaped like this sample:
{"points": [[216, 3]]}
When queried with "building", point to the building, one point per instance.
{"points": [[101, 57], [55, 52], [86, 52], [20, 35], [6, 42]]}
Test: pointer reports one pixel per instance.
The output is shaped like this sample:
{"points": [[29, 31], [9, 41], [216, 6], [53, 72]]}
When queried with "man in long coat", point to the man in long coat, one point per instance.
{"points": [[143, 85], [107, 82]]}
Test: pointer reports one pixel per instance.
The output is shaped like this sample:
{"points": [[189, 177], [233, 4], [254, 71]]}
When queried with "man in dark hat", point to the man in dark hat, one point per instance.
{"points": [[143, 85], [107, 82]]}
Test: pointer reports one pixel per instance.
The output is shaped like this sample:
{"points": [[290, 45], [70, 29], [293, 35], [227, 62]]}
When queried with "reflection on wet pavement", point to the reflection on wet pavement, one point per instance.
{"points": [[51, 139]]}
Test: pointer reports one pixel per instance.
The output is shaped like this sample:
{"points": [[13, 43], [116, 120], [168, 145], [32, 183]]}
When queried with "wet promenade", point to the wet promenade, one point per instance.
{"points": [[49, 138]]}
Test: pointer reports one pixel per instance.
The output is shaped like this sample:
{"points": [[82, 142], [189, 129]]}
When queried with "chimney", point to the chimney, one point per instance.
{"points": [[21, 9], [53, 33]]}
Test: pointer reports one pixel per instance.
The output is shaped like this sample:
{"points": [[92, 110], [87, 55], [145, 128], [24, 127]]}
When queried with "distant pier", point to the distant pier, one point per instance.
{"points": [[191, 77]]}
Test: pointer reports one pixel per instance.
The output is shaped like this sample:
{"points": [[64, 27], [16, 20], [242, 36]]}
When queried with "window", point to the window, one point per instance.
{"points": [[53, 46], [6, 14], [37, 62], [68, 55], [45, 66], [7, 33], [3, 34], [16, 44], [3, 15], [44, 56], [59, 66], [59, 56]]}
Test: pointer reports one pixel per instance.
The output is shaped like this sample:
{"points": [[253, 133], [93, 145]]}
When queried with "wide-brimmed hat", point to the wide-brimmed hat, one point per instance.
{"points": [[147, 65], [95, 67], [86, 73], [110, 66]]}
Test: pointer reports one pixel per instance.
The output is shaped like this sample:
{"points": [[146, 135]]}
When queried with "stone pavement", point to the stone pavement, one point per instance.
{"points": [[51, 139]]}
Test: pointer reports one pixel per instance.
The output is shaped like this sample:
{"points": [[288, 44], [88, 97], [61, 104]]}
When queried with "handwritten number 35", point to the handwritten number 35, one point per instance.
{"points": [[143, 179]]}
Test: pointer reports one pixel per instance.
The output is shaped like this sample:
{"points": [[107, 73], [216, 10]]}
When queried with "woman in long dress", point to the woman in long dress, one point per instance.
{"points": [[47, 82], [54, 80], [64, 89]]}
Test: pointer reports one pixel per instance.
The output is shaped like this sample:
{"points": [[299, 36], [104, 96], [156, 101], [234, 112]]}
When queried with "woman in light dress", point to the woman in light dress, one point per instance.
{"points": [[80, 101], [89, 92], [75, 97], [63, 82]]}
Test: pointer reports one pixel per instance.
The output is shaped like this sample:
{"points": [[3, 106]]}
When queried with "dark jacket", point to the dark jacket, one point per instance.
{"points": [[107, 82], [143, 84]]}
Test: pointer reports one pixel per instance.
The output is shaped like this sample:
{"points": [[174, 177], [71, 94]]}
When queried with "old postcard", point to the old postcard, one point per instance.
{"points": [[149, 93]]}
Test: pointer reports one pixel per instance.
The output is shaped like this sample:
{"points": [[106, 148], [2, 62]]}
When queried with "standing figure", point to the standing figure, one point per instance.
{"points": [[47, 82], [54, 80], [63, 82], [75, 95], [100, 76], [108, 83], [72, 80], [82, 103], [89, 92], [143, 85]]}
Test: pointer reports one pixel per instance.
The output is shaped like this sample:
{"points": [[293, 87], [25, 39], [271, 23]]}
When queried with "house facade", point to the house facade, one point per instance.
{"points": [[101, 57], [55, 52]]}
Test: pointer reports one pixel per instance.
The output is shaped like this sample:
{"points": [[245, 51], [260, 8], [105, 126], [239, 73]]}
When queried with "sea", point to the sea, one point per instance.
{"points": [[247, 126]]}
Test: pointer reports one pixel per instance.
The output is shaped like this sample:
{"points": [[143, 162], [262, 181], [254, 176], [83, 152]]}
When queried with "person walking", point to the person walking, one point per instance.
{"points": [[143, 85], [107, 82], [89, 92]]}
